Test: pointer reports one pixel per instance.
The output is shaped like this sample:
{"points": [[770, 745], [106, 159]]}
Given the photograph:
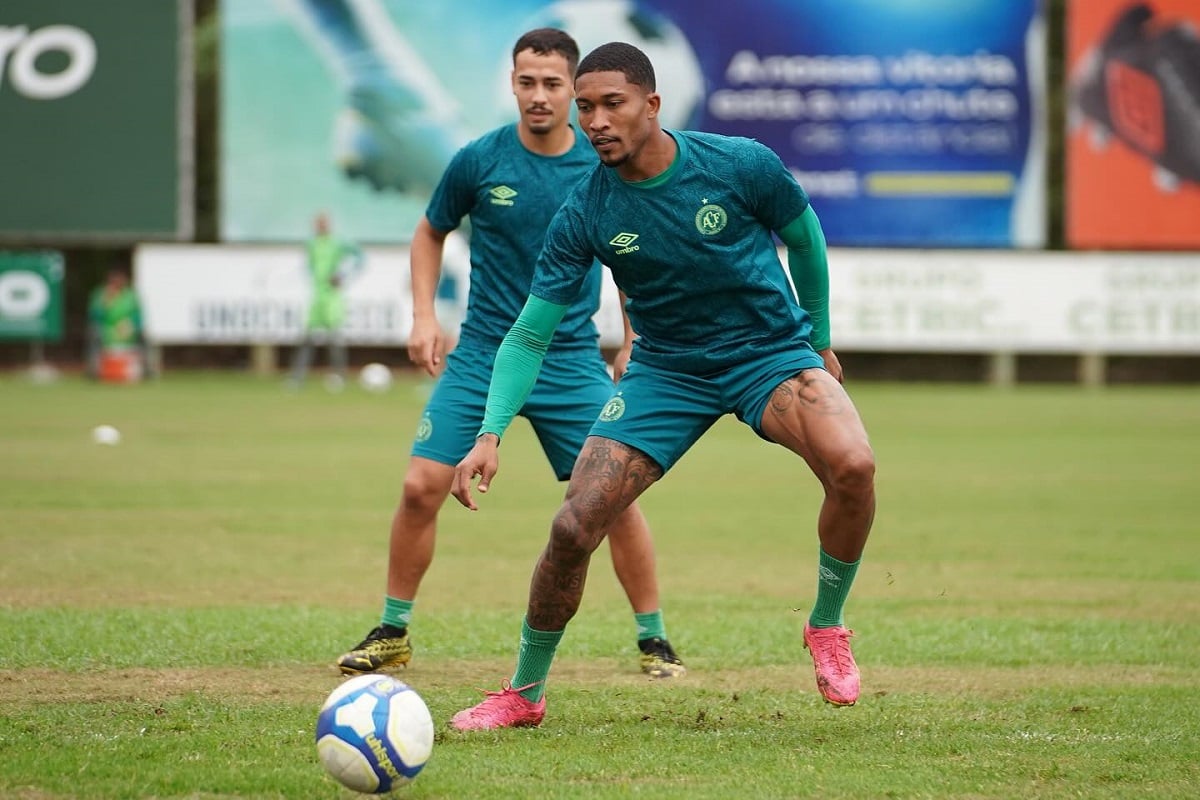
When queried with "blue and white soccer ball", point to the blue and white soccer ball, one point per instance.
{"points": [[592, 23], [374, 734]]}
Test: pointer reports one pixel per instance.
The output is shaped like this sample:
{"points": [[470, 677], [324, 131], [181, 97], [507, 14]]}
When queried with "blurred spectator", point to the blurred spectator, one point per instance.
{"points": [[331, 262], [116, 346]]}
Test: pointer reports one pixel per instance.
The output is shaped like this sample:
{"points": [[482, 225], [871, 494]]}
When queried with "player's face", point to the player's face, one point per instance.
{"points": [[542, 85], [617, 116]]}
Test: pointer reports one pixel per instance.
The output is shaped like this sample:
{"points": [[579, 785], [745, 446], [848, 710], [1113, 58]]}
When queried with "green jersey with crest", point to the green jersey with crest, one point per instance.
{"points": [[510, 195], [693, 251]]}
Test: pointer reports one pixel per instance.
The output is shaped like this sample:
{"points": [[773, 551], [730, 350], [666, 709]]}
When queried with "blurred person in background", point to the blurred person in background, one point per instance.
{"points": [[331, 262], [116, 345]]}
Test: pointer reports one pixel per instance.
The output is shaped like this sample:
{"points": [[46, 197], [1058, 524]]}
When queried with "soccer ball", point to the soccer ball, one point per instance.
{"points": [[374, 734], [375, 377], [106, 434], [592, 23]]}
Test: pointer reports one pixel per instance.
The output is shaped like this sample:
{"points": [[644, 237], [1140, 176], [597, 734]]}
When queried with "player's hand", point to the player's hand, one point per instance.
{"points": [[427, 345], [483, 462], [832, 365]]}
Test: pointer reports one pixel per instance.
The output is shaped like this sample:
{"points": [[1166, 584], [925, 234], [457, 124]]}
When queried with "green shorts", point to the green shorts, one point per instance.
{"points": [[327, 312], [571, 389], [663, 413]]}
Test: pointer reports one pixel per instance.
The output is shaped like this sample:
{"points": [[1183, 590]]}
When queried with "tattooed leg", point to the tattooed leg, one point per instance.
{"points": [[608, 477]]}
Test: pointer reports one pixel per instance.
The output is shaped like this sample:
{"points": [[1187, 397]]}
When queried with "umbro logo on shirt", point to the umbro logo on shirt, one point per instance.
{"points": [[624, 242], [502, 195]]}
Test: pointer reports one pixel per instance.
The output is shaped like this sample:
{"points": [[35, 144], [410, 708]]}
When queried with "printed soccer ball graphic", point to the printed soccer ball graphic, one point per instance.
{"points": [[375, 377], [592, 23], [374, 734]]}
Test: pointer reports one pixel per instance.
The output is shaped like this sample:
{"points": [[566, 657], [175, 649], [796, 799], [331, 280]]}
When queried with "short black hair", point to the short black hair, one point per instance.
{"points": [[620, 57], [544, 41]]}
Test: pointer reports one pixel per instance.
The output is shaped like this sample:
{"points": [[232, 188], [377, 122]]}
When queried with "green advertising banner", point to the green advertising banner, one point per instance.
{"points": [[31, 298], [95, 120]]}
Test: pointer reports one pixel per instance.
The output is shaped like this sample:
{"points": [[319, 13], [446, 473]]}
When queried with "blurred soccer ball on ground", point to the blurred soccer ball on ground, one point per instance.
{"points": [[374, 734], [106, 434], [375, 377]]}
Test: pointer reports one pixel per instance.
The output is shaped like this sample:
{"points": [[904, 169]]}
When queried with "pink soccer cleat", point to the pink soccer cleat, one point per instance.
{"points": [[503, 709], [837, 674]]}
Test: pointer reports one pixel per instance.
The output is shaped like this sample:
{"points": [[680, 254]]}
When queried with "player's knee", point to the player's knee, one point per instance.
{"points": [[422, 494], [854, 472], [570, 541]]}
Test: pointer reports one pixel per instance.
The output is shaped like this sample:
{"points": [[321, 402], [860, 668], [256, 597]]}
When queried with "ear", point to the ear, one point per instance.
{"points": [[512, 80], [653, 103]]}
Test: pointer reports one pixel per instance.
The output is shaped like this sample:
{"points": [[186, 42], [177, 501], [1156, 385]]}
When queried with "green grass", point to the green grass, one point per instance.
{"points": [[1026, 613]]}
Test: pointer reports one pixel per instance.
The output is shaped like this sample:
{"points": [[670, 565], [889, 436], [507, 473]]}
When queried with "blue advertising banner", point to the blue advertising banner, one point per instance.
{"points": [[923, 128]]}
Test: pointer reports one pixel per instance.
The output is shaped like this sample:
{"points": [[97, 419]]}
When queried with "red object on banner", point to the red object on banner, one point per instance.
{"points": [[1136, 106], [1133, 149]]}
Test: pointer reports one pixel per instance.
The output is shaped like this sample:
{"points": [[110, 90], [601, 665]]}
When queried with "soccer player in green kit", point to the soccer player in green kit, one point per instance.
{"points": [[331, 261], [510, 182], [684, 220]]}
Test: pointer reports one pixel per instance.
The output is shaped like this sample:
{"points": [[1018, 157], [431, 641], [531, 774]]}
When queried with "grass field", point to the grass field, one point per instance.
{"points": [[1026, 614]]}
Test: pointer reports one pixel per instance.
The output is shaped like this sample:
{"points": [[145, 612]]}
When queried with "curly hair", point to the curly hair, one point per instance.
{"points": [[620, 57]]}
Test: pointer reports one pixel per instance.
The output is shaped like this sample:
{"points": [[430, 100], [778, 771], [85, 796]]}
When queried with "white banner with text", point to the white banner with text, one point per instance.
{"points": [[881, 300]]}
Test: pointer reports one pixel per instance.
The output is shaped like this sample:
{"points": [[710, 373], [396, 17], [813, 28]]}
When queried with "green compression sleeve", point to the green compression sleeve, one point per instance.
{"points": [[518, 362], [808, 263]]}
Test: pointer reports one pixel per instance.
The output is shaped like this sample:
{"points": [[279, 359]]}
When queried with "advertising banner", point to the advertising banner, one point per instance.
{"points": [[227, 294], [980, 301], [31, 296], [1133, 147], [260, 294], [880, 300], [924, 128], [246, 295], [95, 120]]}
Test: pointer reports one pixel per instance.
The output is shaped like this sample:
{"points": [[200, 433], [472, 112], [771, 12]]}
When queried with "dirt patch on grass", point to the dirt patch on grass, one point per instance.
{"points": [[284, 683], [29, 793], [305, 684]]}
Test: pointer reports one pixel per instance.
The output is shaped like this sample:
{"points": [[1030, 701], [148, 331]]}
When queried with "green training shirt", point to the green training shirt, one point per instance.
{"points": [[727, 294], [326, 253], [117, 316], [511, 194], [693, 251]]}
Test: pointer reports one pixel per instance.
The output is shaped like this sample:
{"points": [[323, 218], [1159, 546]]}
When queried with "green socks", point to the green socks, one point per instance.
{"points": [[396, 612], [533, 661], [834, 579], [650, 625]]}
